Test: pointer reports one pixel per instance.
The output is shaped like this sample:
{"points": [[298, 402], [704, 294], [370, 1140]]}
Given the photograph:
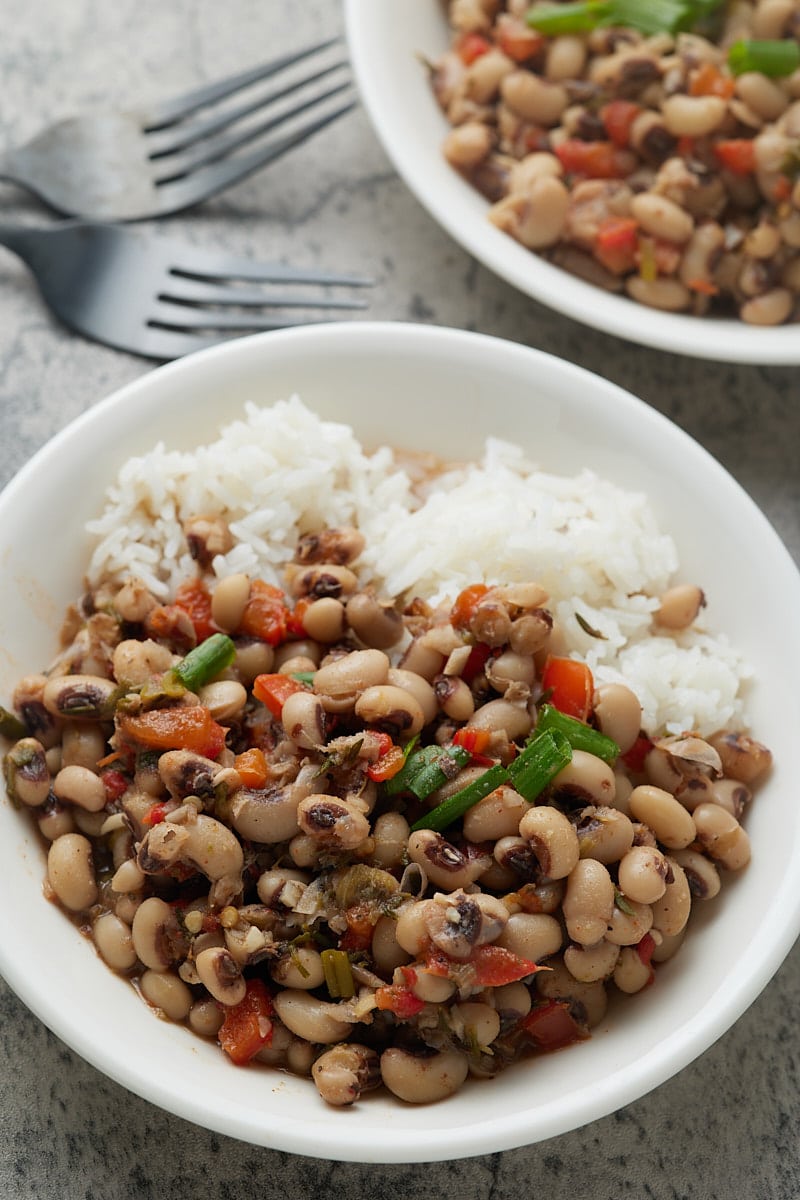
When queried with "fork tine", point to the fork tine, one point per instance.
{"points": [[178, 137], [208, 181], [210, 265], [168, 111], [192, 291], [184, 318], [220, 147]]}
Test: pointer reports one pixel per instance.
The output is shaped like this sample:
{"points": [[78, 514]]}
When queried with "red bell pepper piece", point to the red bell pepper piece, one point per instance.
{"points": [[616, 244], [552, 1025], [275, 690], [471, 46], [618, 117], [177, 728], [247, 1027], [593, 160], [466, 605], [266, 614], [569, 685], [398, 999], [737, 155], [194, 598]]}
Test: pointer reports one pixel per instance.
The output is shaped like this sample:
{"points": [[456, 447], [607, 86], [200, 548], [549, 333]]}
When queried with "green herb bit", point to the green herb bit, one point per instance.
{"points": [[579, 735], [623, 904], [650, 17], [555, 19], [774, 58], [338, 974], [456, 805], [10, 725], [547, 753], [205, 662]]}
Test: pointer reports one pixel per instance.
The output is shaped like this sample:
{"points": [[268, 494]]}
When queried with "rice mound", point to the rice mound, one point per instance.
{"points": [[594, 546]]}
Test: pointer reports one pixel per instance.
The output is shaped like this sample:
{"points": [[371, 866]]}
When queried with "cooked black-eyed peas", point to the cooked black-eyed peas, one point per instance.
{"points": [[288, 857], [643, 162]]}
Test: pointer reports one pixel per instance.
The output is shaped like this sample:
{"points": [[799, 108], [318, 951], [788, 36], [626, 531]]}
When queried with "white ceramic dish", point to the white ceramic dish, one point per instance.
{"points": [[419, 387], [387, 40]]}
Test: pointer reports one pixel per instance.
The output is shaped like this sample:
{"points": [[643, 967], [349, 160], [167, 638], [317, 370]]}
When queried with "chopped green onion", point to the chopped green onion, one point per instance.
{"points": [[306, 677], [580, 17], [579, 735], [11, 726], [456, 805], [338, 974], [773, 58], [415, 760], [547, 753], [205, 662], [433, 774]]}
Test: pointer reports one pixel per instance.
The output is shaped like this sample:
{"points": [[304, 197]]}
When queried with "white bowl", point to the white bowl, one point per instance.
{"points": [[388, 40], [443, 390]]}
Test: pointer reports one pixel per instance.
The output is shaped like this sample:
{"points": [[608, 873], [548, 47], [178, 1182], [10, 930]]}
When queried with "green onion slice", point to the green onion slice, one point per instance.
{"points": [[205, 662], [774, 58], [647, 16], [456, 805], [547, 753], [445, 765], [338, 974], [579, 735]]}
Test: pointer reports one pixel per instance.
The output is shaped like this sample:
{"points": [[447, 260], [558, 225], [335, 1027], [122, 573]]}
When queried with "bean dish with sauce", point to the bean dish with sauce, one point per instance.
{"points": [[652, 150], [379, 845]]}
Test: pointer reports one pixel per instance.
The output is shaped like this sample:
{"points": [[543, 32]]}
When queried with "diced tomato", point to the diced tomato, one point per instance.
{"points": [[294, 619], [478, 657], [173, 624], [471, 46], [155, 815], [634, 758], [516, 40], [618, 117], [360, 920], [265, 615], [466, 605], [251, 766], [645, 948], [389, 764], [782, 189], [704, 286], [617, 243], [569, 686], [195, 600], [115, 783], [247, 1027], [179, 728], [594, 160], [398, 999], [552, 1025], [275, 690], [495, 966], [473, 740], [708, 80], [737, 155]]}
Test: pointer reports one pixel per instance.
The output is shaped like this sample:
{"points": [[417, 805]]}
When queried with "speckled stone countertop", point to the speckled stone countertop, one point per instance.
{"points": [[725, 1128]]}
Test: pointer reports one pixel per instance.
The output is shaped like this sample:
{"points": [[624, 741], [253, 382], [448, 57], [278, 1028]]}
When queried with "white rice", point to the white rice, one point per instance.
{"points": [[280, 472]]}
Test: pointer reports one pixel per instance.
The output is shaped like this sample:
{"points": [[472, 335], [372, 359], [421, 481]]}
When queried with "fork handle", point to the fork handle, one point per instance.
{"points": [[24, 240]]}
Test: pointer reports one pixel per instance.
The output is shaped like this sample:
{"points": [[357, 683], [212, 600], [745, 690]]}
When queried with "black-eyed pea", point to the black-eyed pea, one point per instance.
{"points": [[692, 116], [553, 840], [390, 837], [533, 936], [510, 668], [503, 716], [565, 57], [588, 777], [629, 922], [742, 757], [498, 879], [588, 964], [332, 823], [423, 1079], [324, 620], [305, 648], [445, 865], [671, 911], [666, 816], [665, 292], [80, 786], [320, 580], [667, 946], [721, 836], [558, 984], [112, 937], [701, 874], [662, 217], [468, 145], [731, 795], [770, 18], [390, 709], [618, 713], [454, 697], [387, 953], [763, 96], [304, 719], [623, 787], [224, 698], [495, 816], [344, 1072], [82, 745], [422, 659], [89, 823], [300, 967], [475, 1023], [70, 871], [680, 605], [205, 1017], [631, 973], [274, 1054], [588, 901], [643, 874], [339, 683], [772, 307], [533, 98], [310, 1018], [412, 926], [604, 833], [518, 856], [221, 975], [420, 689], [431, 989], [156, 934], [512, 1000], [535, 218], [55, 819], [300, 1056], [26, 772], [168, 992], [229, 600], [127, 905]]}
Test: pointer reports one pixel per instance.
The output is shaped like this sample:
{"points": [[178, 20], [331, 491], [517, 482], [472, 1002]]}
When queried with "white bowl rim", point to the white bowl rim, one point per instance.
{"points": [[341, 1140], [461, 213]]}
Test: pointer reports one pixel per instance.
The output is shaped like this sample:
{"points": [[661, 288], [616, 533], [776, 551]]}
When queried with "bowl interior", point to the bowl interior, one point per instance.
{"points": [[443, 390], [389, 44]]}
